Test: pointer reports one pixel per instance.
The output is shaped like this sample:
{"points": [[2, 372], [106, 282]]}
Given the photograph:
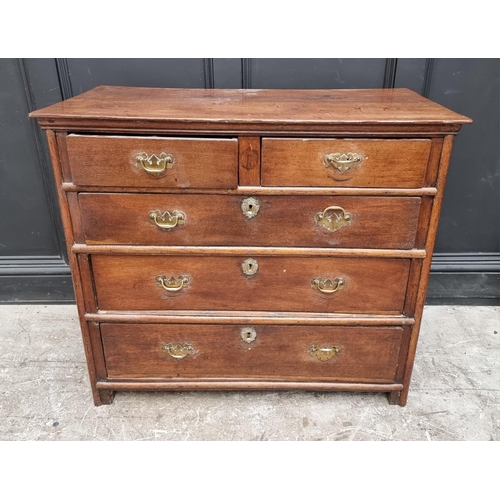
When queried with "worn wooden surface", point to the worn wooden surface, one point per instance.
{"points": [[249, 317], [375, 222], [130, 108], [110, 161], [81, 281], [249, 161], [280, 284], [425, 267], [279, 352], [388, 163]]}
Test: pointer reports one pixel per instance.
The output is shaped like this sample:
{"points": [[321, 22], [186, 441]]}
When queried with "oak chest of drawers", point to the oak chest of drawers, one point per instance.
{"points": [[250, 239]]}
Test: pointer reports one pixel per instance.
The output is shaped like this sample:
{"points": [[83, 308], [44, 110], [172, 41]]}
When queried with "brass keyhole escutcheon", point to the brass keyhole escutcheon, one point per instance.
{"points": [[250, 267], [248, 334], [250, 207]]}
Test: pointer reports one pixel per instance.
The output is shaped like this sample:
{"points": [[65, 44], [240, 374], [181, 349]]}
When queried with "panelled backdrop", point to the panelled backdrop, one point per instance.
{"points": [[33, 261]]}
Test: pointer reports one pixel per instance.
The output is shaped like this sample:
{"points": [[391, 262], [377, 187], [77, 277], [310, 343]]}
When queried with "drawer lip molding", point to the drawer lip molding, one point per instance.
{"points": [[243, 384], [250, 317], [263, 190], [267, 251]]}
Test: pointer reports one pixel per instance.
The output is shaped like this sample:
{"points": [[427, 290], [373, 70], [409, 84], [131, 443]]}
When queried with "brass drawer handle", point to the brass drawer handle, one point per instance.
{"points": [[337, 219], [324, 353], [178, 351], [327, 285], [344, 161], [153, 164], [167, 220], [172, 284]]}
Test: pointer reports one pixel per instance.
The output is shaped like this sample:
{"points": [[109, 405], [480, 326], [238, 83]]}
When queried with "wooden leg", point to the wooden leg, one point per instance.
{"points": [[103, 397], [394, 398], [404, 395]]}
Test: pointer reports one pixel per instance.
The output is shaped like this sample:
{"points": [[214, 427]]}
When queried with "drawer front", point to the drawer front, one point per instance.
{"points": [[300, 221], [388, 163], [153, 162], [344, 285], [262, 351]]}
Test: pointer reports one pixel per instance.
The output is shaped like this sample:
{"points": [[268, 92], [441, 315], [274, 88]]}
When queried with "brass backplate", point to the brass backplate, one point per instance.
{"points": [[250, 267], [248, 334], [250, 207]]}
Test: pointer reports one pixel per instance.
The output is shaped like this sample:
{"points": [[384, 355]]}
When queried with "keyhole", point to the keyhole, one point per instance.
{"points": [[250, 267]]}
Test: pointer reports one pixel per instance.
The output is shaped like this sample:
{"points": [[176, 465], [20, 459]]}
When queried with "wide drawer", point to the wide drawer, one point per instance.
{"points": [[271, 283], [152, 161], [326, 353], [386, 163], [303, 221]]}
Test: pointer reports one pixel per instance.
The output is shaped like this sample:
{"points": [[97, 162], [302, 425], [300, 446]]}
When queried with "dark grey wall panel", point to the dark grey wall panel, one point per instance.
{"points": [[410, 74], [26, 225], [86, 74], [227, 73], [317, 73], [471, 209], [43, 89]]}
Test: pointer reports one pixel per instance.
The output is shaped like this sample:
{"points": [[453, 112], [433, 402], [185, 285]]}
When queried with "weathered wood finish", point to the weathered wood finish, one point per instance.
{"points": [[281, 284], [110, 161], [376, 222], [247, 384], [250, 317], [249, 166], [268, 144], [388, 163], [250, 251], [128, 108], [80, 281], [278, 352]]}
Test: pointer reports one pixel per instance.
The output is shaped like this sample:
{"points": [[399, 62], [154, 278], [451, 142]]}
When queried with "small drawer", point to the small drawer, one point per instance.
{"points": [[243, 283], [307, 353], [374, 163], [225, 220], [152, 161]]}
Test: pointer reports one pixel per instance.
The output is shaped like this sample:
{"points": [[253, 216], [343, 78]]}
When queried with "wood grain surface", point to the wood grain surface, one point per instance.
{"points": [[389, 163], [110, 161], [280, 284], [376, 222], [211, 106], [279, 352]]}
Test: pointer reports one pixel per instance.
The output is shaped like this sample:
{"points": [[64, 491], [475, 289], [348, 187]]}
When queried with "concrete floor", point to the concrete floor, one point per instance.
{"points": [[45, 395]]}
